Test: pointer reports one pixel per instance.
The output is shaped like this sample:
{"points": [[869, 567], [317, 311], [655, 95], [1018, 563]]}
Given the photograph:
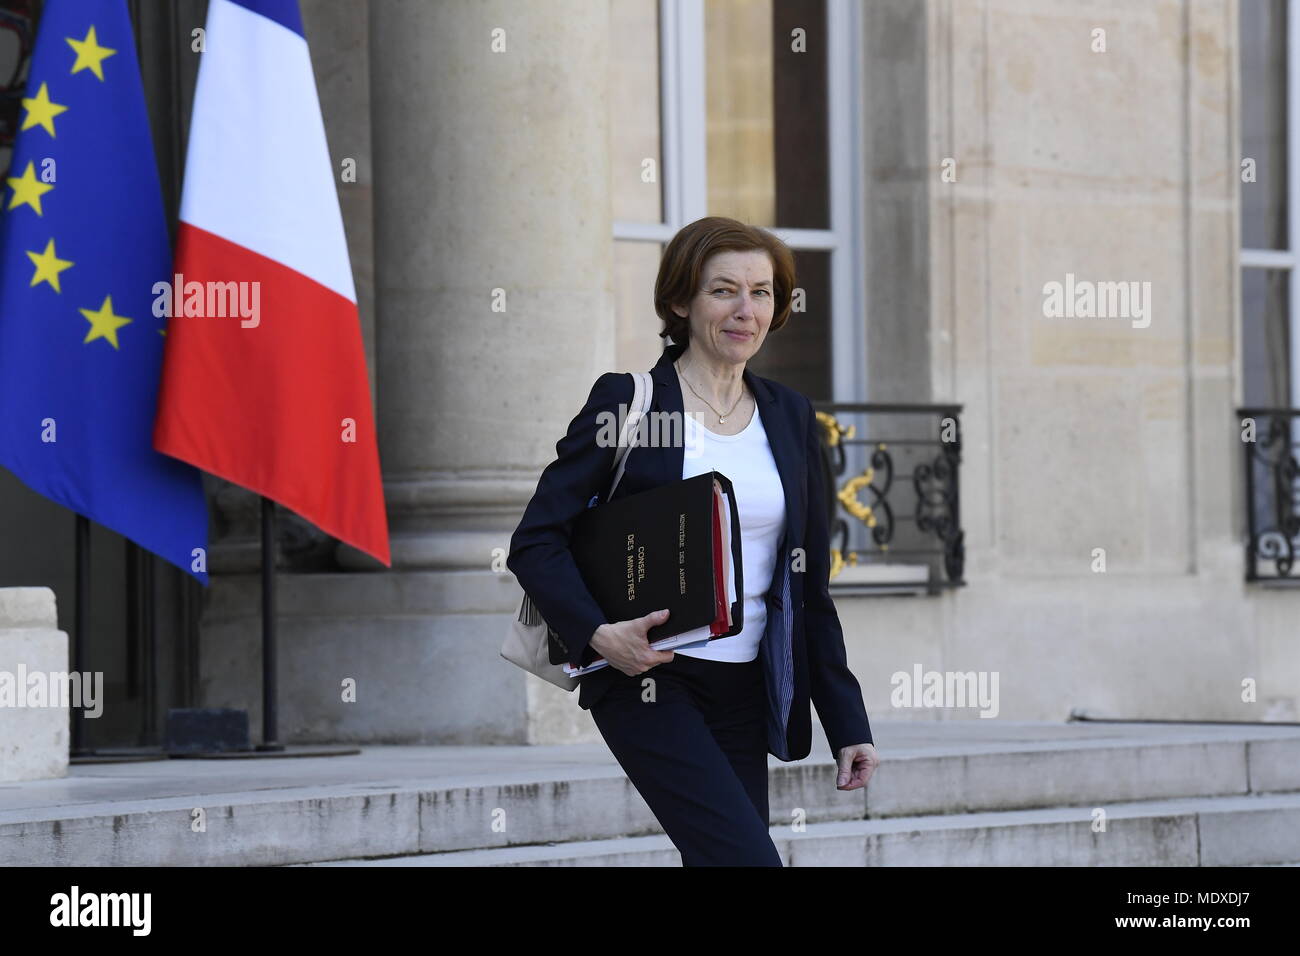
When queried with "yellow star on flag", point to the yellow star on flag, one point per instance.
{"points": [[40, 111], [28, 189], [103, 323], [90, 55], [48, 266]]}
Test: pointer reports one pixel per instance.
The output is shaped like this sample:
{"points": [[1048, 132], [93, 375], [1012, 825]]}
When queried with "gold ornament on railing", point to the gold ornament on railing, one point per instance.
{"points": [[847, 494], [834, 430], [837, 561]]}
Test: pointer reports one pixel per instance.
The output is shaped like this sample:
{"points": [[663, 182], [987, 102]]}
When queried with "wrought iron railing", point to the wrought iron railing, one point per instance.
{"points": [[893, 493], [1271, 452]]}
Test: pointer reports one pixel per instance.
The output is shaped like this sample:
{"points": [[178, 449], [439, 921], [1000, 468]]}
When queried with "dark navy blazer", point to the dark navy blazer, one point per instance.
{"points": [[803, 645]]}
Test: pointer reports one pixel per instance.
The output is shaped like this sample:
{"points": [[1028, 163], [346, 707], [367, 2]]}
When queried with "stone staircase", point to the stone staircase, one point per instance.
{"points": [[1219, 831], [1113, 802], [959, 793]]}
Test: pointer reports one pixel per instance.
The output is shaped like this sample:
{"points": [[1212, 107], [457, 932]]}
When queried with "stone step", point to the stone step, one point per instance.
{"points": [[1205, 831], [405, 801]]}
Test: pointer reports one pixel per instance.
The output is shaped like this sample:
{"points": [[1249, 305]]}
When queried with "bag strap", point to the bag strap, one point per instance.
{"points": [[642, 396]]}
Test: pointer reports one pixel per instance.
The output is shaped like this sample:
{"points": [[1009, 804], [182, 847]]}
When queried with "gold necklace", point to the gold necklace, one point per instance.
{"points": [[722, 419]]}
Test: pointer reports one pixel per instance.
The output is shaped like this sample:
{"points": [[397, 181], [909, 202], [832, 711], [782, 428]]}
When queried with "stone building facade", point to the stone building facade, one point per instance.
{"points": [[937, 165]]}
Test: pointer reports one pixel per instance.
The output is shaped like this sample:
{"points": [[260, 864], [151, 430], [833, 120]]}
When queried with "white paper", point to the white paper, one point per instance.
{"points": [[663, 644]]}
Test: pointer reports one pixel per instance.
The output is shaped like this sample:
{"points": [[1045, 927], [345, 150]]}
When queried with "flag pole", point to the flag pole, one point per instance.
{"points": [[270, 735], [80, 616], [149, 658]]}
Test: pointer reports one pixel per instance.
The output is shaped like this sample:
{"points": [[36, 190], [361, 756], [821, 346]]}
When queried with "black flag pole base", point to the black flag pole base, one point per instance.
{"points": [[304, 750], [119, 755], [224, 732]]}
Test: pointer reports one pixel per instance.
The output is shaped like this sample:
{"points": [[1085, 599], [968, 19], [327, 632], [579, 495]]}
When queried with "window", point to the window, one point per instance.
{"points": [[748, 109], [1270, 95], [1270, 347]]}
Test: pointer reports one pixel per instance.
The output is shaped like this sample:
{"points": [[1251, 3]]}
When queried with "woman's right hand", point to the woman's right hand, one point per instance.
{"points": [[625, 645]]}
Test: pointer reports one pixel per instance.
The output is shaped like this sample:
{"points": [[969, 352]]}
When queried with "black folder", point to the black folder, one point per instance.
{"points": [[662, 548]]}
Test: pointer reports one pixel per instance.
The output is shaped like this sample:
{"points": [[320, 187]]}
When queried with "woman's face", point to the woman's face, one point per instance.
{"points": [[733, 308]]}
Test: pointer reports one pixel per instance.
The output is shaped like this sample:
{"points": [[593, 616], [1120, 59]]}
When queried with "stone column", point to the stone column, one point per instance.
{"points": [[494, 305]]}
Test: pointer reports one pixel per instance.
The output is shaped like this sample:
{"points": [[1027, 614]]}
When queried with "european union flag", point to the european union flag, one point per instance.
{"points": [[83, 240]]}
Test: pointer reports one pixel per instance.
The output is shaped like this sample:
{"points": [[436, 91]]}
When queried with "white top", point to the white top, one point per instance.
{"points": [[745, 458]]}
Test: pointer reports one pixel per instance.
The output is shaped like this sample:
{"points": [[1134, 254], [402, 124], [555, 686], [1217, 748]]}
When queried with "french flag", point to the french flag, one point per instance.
{"points": [[264, 382]]}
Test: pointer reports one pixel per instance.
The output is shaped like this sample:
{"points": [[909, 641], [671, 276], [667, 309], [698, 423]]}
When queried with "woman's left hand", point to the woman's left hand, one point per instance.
{"points": [[857, 763]]}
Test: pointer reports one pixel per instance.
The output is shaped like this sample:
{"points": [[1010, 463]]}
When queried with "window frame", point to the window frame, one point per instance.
{"points": [[684, 170], [1288, 259]]}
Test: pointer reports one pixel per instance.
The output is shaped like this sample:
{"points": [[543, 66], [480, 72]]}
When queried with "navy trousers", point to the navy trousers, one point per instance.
{"points": [[696, 751]]}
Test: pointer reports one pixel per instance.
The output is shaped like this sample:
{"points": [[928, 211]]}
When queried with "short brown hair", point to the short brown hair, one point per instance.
{"points": [[684, 258]]}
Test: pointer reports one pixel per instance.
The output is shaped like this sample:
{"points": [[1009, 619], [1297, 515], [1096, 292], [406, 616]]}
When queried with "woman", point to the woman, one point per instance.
{"points": [[692, 728]]}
